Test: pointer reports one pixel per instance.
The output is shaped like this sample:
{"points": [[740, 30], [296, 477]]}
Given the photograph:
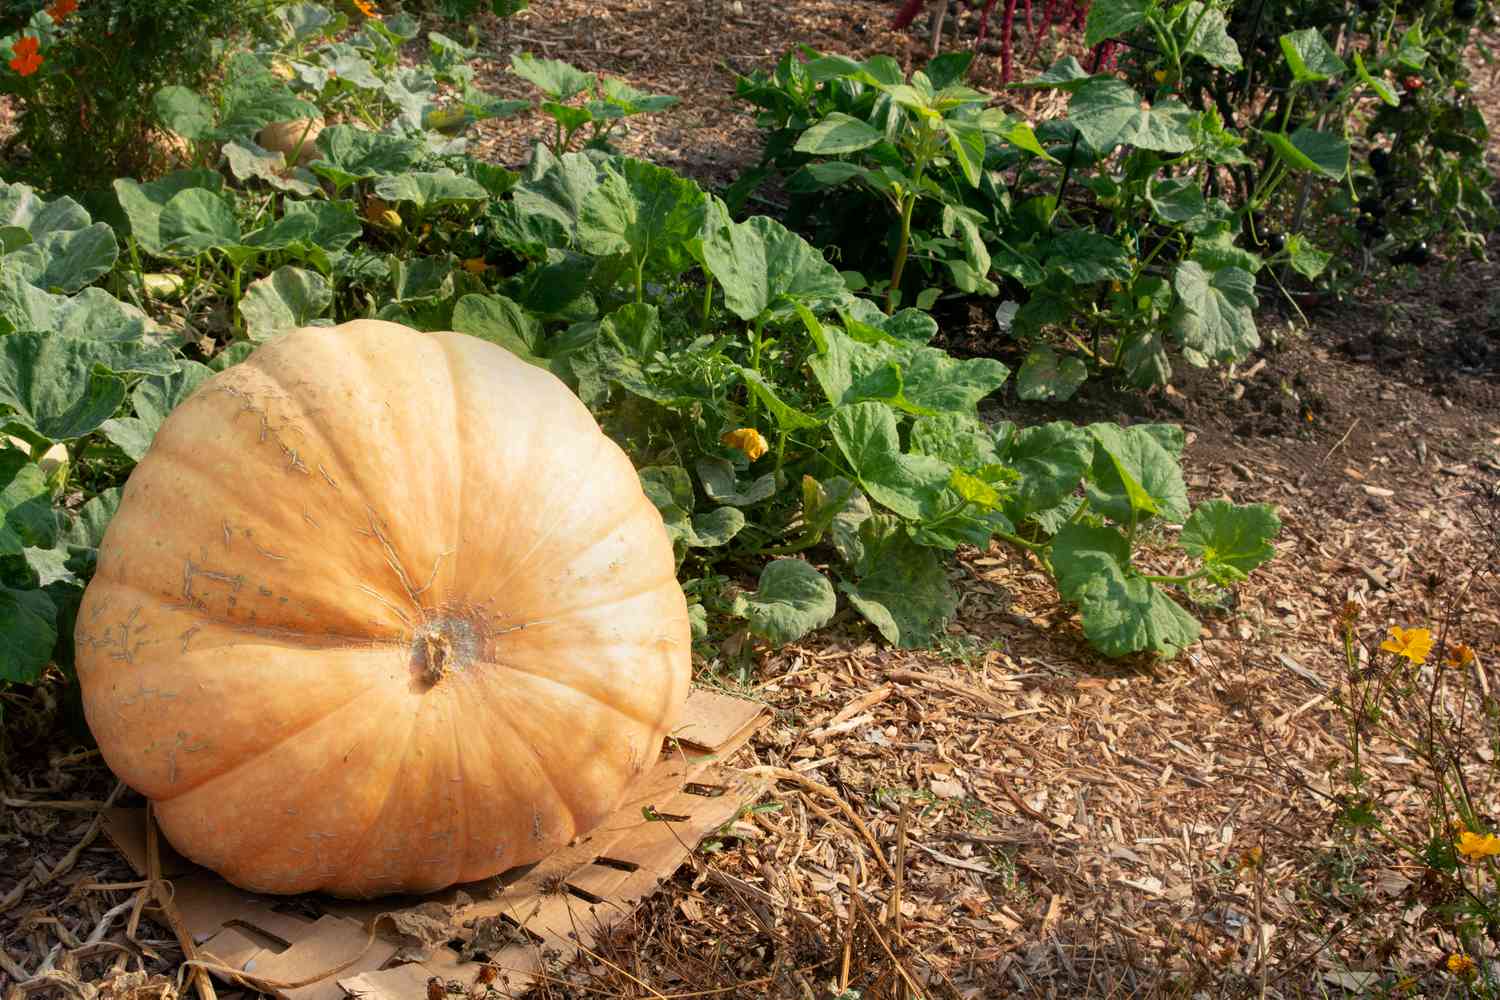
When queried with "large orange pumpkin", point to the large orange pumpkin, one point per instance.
{"points": [[381, 611]]}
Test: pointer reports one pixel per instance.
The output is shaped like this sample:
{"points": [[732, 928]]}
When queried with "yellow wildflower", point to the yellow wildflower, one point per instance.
{"points": [[1478, 845], [747, 440], [1161, 76], [475, 265], [1461, 965], [1412, 643], [1461, 656]]}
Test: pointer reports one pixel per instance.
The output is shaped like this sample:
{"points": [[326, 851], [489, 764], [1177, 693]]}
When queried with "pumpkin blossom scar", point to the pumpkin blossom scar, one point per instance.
{"points": [[1412, 643], [747, 440]]}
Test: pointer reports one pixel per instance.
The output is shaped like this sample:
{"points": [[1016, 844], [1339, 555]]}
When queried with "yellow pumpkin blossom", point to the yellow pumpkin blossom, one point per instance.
{"points": [[747, 440], [367, 9], [1478, 845], [1461, 965], [1412, 643]]}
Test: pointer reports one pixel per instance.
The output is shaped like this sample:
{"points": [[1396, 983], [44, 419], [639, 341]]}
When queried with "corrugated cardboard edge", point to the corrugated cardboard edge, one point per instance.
{"points": [[564, 902]]}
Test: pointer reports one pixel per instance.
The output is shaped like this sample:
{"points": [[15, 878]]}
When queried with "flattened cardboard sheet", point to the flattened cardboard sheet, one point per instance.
{"points": [[522, 919]]}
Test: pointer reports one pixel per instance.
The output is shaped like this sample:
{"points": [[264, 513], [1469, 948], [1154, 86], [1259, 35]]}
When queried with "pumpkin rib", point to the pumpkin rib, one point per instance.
{"points": [[251, 759], [590, 695], [454, 434]]}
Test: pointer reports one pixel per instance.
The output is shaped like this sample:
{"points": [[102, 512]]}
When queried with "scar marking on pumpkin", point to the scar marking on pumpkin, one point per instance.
{"points": [[269, 554], [310, 520], [228, 534], [327, 478]]}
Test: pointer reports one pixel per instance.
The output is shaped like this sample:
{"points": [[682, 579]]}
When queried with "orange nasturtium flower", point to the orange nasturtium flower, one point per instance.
{"points": [[1461, 965], [60, 9], [748, 440], [28, 60], [1478, 845], [367, 9], [1412, 643], [475, 265]]}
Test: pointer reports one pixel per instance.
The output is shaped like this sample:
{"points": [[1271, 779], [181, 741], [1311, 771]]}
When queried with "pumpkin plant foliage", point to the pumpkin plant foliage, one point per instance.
{"points": [[807, 451]]}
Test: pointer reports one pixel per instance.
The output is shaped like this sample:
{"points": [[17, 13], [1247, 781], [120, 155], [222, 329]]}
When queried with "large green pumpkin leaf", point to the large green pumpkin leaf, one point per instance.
{"points": [[1231, 540], [1109, 113], [644, 211], [500, 321], [28, 620], [1112, 19], [902, 587], [910, 485], [1214, 315], [1134, 476], [1052, 460], [1122, 612], [283, 300], [553, 77], [64, 387], [196, 220], [143, 203], [428, 190], [791, 600], [26, 517]]}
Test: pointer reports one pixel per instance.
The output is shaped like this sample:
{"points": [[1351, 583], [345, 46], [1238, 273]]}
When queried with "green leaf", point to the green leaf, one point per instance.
{"points": [[721, 485], [966, 142], [1231, 540], [1215, 311], [1051, 460], [1177, 200], [349, 154], [152, 399], [1112, 19], [1210, 40], [68, 260], [287, 298], [1310, 58], [788, 418], [1307, 149], [1047, 375], [1306, 259], [1108, 113], [28, 620], [761, 264], [838, 134], [644, 211], [910, 485], [1134, 477], [960, 439], [1087, 257], [500, 321], [56, 384], [197, 220], [334, 226], [26, 517], [1067, 74], [143, 203], [553, 77], [1380, 87], [901, 587], [247, 160], [670, 489], [791, 600], [182, 111], [428, 190], [1122, 612]]}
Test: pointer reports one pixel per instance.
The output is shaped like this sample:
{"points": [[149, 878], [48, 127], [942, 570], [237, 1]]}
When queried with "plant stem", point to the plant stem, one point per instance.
{"points": [[908, 203]]}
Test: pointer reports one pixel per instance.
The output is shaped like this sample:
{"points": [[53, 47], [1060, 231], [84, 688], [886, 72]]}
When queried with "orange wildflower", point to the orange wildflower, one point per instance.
{"points": [[28, 60], [1461, 656]]}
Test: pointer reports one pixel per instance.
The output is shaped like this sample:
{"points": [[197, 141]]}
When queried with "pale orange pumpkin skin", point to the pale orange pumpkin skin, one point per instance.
{"points": [[381, 611]]}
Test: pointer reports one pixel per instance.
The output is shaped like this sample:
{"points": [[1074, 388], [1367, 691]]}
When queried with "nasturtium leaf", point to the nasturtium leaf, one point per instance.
{"points": [[430, 189], [28, 620], [1048, 375], [1210, 40], [910, 485], [791, 600], [1231, 540], [721, 486], [500, 321], [1108, 113], [553, 77], [1308, 149], [59, 386], [900, 587], [1134, 477], [26, 517], [1215, 311], [197, 220], [286, 298], [1310, 58], [152, 399], [1122, 612], [644, 211], [1112, 19]]}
